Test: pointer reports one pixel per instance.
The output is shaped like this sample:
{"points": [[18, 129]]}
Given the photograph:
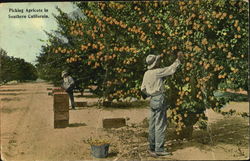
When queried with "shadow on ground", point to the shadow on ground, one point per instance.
{"points": [[11, 94], [112, 154], [10, 110], [10, 99], [127, 105], [12, 90]]}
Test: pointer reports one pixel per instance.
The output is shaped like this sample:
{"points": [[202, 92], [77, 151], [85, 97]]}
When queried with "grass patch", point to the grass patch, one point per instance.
{"points": [[8, 110], [236, 97]]}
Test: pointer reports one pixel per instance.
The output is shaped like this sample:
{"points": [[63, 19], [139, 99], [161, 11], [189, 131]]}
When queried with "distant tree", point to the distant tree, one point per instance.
{"points": [[12, 68]]}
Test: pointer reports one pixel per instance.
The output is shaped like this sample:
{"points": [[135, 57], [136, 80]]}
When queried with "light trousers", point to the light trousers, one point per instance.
{"points": [[157, 123], [71, 99]]}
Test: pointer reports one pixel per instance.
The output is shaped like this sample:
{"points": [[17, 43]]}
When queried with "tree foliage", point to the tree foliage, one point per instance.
{"points": [[107, 47]]}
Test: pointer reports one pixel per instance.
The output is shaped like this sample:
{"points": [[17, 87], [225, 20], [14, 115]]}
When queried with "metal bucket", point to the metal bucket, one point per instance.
{"points": [[100, 151]]}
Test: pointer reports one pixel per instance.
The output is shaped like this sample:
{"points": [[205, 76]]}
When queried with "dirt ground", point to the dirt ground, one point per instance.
{"points": [[27, 131]]}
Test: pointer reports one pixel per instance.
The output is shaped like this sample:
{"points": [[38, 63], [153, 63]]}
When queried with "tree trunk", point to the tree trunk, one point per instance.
{"points": [[248, 93], [186, 133]]}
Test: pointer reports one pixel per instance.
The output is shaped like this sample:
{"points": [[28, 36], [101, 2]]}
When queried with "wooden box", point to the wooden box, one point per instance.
{"points": [[61, 123], [61, 116], [113, 122], [81, 104], [61, 102], [61, 109]]}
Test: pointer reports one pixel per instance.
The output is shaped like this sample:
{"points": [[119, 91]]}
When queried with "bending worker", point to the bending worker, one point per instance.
{"points": [[68, 86]]}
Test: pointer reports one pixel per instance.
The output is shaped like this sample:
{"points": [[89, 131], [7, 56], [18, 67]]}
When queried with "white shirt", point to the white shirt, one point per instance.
{"points": [[67, 82], [152, 83]]}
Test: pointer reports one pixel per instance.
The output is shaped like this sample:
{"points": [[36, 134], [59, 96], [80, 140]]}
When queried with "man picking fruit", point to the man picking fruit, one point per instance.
{"points": [[152, 86]]}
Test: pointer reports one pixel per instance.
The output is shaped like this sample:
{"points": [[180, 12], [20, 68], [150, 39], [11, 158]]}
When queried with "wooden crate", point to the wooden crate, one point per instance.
{"points": [[58, 90], [61, 102], [113, 122], [81, 104], [61, 123], [61, 116]]}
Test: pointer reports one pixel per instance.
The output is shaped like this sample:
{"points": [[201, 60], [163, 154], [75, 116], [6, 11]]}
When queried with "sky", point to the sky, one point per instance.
{"points": [[19, 37]]}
